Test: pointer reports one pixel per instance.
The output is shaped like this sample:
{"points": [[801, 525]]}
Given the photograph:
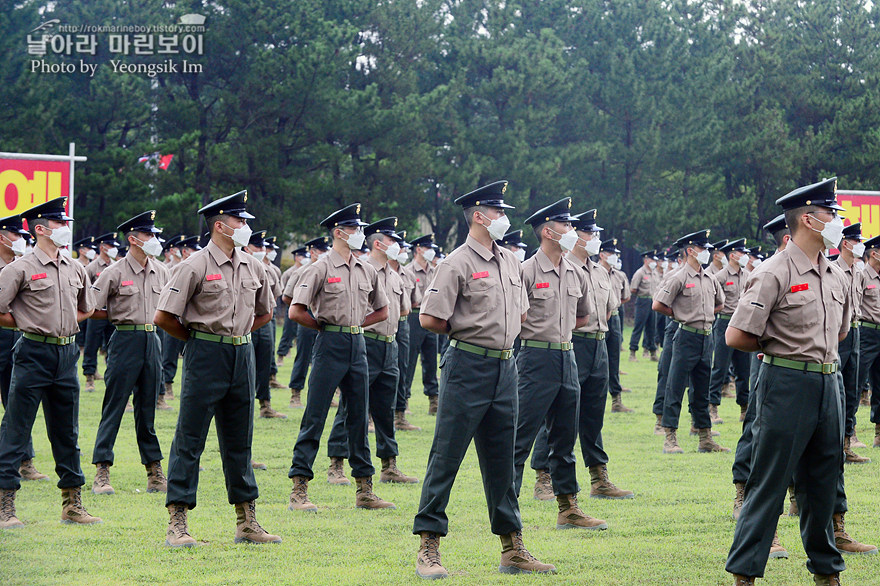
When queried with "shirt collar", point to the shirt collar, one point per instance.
{"points": [[379, 266], [842, 264], [44, 258], [871, 272], [484, 252], [337, 261], [691, 271], [220, 257], [802, 263]]}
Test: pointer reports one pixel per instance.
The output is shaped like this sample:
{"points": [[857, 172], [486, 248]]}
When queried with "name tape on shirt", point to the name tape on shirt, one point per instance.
{"points": [[38, 276], [215, 277], [801, 287], [689, 285], [542, 285], [127, 283], [334, 279], [872, 286], [728, 283], [482, 275]]}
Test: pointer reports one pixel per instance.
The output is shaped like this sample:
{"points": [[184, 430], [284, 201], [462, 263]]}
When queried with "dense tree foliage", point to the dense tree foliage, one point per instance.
{"points": [[666, 115]]}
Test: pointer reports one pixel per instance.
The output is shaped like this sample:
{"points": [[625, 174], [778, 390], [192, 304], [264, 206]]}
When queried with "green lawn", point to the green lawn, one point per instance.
{"points": [[676, 531]]}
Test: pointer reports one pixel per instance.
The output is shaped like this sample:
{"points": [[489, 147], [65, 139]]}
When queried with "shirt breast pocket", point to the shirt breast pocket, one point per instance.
{"points": [[213, 297], [43, 293], [540, 302], [249, 292], [480, 293], [799, 311]]}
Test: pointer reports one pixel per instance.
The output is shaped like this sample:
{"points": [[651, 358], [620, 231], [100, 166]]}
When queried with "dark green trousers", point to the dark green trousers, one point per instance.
{"points": [[869, 367], [305, 345], [288, 335], [644, 323], [382, 362], [548, 404], [264, 356], [798, 430], [613, 340], [402, 364], [725, 357], [97, 336], [218, 383], [171, 349], [134, 369], [690, 366], [8, 338], [478, 401], [663, 366], [339, 361], [850, 353], [42, 373], [273, 366], [421, 343]]}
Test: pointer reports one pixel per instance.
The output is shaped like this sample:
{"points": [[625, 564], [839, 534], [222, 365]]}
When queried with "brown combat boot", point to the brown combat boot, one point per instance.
{"points": [[156, 481], [273, 383], [877, 435], [98, 375], [336, 473], [696, 432], [516, 559], [178, 532], [572, 517], [258, 465], [8, 520], [432, 405], [543, 486], [742, 412], [713, 415], [851, 456], [391, 473], [295, 401], [654, 357], [658, 426], [428, 564], [72, 509], [169, 392], [738, 498], [617, 405], [161, 405], [743, 580], [90, 383], [776, 549], [365, 498], [845, 543], [827, 580], [602, 488], [101, 485], [267, 412], [632, 356], [727, 391], [792, 503], [855, 443], [670, 445], [29, 472], [279, 361], [707, 444], [247, 530], [299, 496], [865, 399], [401, 424]]}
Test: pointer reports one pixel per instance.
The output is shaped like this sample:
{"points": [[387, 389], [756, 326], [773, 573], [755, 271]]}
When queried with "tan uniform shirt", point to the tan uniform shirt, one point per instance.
{"points": [[870, 295], [855, 279], [692, 295], [396, 294], [286, 275], [293, 281], [95, 267], [616, 301], [641, 281], [130, 292], [712, 269], [557, 297], [480, 293], [273, 280], [43, 295], [339, 293], [622, 284], [412, 295], [212, 293], [795, 310], [731, 283], [421, 277], [599, 295]]}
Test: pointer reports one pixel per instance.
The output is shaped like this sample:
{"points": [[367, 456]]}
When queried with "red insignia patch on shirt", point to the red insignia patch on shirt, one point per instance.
{"points": [[417, 280], [728, 283], [542, 285], [646, 278], [872, 286], [801, 287], [482, 275], [216, 277], [38, 277], [97, 274], [689, 285], [334, 279], [127, 283]]}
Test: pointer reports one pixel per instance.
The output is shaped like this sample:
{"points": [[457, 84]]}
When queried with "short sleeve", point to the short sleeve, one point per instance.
{"points": [[178, 291], [265, 300], [583, 304], [378, 296], [10, 282], [306, 286], [719, 293], [443, 291], [669, 290], [86, 299], [757, 301], [102, 288]]}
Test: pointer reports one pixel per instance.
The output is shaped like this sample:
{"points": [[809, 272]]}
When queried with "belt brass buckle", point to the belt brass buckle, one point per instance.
{"points": [[506, 354], [828, 368]]}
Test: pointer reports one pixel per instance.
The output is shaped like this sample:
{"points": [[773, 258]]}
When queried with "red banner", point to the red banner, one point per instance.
{"points": [[25, 183], [861, 206]]}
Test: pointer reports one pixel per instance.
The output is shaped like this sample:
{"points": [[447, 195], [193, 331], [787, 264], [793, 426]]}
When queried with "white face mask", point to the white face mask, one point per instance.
{"points": [[520, 254], [392, 251], [612, 259], [305, 261], [498, 227], [356, 240], [112, 252], [151, 247], [703, 257], [832, 231], [66, 252], [402, 257], [858, 249], [568, 240], [618, 265], [664, 265], [724, 261], [18, 247], [61, 236], [756, 263], [240, 236], [859, 264], [260, 255], [743, 261], [272, 255], [428, 255], [324, 254], [91, 254], [593, 246], [652, 265]]}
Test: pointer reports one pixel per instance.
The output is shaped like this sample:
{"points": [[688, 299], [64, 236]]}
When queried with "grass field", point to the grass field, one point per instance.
{"points": [[676, 531]]}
